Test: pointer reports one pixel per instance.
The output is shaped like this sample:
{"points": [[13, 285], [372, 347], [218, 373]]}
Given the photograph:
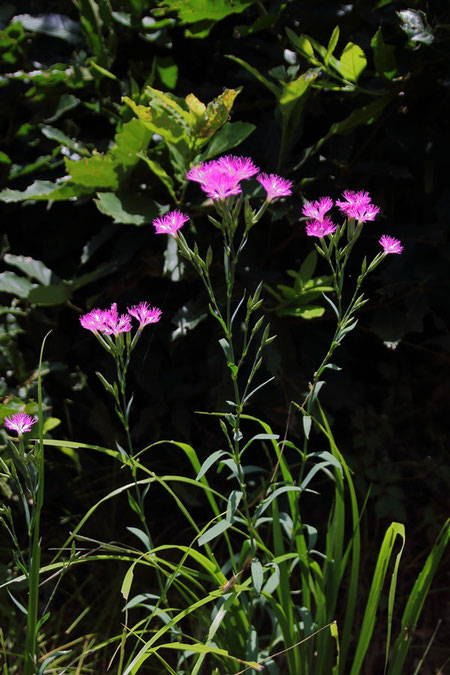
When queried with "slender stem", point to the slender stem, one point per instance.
{"points": [[31, 662]]}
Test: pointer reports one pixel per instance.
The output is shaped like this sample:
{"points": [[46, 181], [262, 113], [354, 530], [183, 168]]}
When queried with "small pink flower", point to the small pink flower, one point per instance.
{"points": [[317, 210], [320, 228], [19, 422], [219, 185], [274, 185], [94, 320], [115, 324], [106, 321], [200, 173], [358, 205], [220, 178], [239, 168], [170, 223], [390, 245], [145, 314]]}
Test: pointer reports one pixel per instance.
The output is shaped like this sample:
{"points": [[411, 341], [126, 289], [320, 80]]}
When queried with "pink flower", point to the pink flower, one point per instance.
{"points": [[220, 178], [94, 320], [19, 422], [219, 185], [317, 210], [358, 205], [200, 173], [320, 228], [390, 245], [106, 321], [274, 185], [145, 314], [170, 223], [115, 324], [239, 168]]}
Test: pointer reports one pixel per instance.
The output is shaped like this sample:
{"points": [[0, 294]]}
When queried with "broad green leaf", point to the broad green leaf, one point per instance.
{"points": [[54, 294], [42, 190], [98, 171], [164, 116], [353, 62], [384, 56], [226, 138], [127, 208], [132, 139], [308, 266], [203, 10], [15, 285], [32, 268], [167, 70]]}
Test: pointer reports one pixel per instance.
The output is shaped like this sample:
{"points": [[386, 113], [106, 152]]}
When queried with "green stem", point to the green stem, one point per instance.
{"points": [[31, 660]]}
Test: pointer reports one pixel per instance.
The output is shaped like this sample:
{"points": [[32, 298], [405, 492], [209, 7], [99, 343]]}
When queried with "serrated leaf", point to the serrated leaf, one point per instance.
{"points": [[352, 62], [98, 171], [132, 139]]}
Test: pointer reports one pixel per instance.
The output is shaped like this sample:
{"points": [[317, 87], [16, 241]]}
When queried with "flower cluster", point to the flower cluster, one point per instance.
{"points": [[221, 178], [109, 322], [358, 205], [355, 205], [19, 422]]}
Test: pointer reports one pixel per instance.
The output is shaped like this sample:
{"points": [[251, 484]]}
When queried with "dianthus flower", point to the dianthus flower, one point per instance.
{"points": [[274, 185], [106, 321], [94, 320], [390, 244], [219, 185], [145, 314], [220, 178], [358, 205], [115, 324], [170, 223], [320, 228], [317, 210], [240, 168], [19, 422]]}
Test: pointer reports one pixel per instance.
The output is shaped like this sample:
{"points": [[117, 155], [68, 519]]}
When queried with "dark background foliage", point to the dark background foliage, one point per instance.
{"points": [[389, 405]]}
